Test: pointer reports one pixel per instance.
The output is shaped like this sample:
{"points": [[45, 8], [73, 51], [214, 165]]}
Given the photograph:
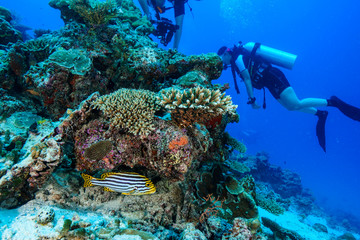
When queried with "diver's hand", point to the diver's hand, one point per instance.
{"points": [[255, 106]]}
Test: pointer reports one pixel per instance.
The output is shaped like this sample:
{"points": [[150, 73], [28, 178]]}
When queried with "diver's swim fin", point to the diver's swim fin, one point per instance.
{"points": [[348, 110], [320, 128]]}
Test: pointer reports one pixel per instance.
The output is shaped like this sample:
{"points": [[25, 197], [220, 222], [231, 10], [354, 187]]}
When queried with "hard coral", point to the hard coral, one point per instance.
{"points": [[196, 105], [95, 12], [133, 110], [76, 60]]}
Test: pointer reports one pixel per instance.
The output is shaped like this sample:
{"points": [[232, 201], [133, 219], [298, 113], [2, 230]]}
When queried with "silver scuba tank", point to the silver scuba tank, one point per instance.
{"points": [[274, 56]]}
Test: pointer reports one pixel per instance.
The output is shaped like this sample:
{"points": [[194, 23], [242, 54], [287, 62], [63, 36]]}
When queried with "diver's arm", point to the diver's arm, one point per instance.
{"points": [[145, 8], [249, 88]]}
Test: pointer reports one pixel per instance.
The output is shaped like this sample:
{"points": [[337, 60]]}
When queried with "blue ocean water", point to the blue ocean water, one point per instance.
{"points": [[325, 36]]}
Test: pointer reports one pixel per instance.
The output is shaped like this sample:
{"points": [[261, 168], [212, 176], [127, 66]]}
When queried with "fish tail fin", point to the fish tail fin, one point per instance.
{"points": [[108, 189], [87, 180]]}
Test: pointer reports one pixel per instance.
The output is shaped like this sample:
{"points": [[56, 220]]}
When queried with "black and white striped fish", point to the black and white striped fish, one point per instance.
{"points": [[128, 183]]}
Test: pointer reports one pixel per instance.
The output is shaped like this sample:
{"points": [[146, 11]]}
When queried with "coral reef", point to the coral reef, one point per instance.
{"points": [[8, 34], [18, 184], [283, 181], [98, 95]]}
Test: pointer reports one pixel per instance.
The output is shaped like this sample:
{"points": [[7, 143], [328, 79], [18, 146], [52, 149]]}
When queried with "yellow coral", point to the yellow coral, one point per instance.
{"points": [[130, 109]]}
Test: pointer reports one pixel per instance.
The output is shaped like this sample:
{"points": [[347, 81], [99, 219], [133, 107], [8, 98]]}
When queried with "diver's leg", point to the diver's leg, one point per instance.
{"points": [[291, 102], [179, 22], [179, 12]]}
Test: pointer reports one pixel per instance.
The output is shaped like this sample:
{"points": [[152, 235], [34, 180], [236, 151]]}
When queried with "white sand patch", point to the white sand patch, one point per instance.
{"points": [[20, 224], [303, 226]]}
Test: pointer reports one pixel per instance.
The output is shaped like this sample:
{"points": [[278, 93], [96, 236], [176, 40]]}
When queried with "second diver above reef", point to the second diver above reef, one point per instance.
{"points": [[253, 63], [165, 29]]}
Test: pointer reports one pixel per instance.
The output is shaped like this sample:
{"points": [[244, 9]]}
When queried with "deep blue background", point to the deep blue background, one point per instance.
{"points": [[325, 35]]}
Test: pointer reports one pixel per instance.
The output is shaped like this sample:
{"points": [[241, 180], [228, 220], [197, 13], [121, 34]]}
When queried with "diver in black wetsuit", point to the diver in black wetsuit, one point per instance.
{"points": [[179, 12], [258, 73]]}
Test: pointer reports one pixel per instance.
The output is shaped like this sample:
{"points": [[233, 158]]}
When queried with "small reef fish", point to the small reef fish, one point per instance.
{"points": [[128, 183]]}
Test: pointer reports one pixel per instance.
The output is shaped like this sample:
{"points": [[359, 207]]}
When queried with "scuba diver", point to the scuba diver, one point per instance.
{"points": [[165, 28], [253, 63]]}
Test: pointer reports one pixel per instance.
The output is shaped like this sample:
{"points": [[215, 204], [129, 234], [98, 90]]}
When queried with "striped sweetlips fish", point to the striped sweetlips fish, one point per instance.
{"points": [[128, 183]]}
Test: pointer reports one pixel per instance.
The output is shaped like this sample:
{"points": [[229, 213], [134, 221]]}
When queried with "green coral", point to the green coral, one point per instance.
{"points": [[130, 109], [39, 48], [233, 186], [234, 143], [270, 205], [5, 14], [76, 60]]}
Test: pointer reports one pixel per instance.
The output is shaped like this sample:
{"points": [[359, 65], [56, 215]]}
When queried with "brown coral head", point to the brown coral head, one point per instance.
{"points": [[99, 150], [233, 186]]}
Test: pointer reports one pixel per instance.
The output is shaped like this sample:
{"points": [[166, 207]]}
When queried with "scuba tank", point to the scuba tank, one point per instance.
{"points": [[274, 56]]}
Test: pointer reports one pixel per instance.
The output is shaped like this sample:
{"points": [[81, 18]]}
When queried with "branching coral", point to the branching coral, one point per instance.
{"points": [[95, 12], [196, 105], [214, 206], [133, 110]]}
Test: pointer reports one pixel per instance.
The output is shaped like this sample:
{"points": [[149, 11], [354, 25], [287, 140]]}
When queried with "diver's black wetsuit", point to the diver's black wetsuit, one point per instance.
{"points": [[275, 80], [263, 76], [179, 7]]}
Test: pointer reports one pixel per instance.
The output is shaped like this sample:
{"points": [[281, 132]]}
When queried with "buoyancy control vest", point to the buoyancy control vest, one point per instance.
{"points": [[255, 64]]}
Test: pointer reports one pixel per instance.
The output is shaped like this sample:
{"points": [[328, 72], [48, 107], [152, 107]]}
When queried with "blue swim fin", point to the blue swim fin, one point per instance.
{"points": [[347, 109], [320, 128]]}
